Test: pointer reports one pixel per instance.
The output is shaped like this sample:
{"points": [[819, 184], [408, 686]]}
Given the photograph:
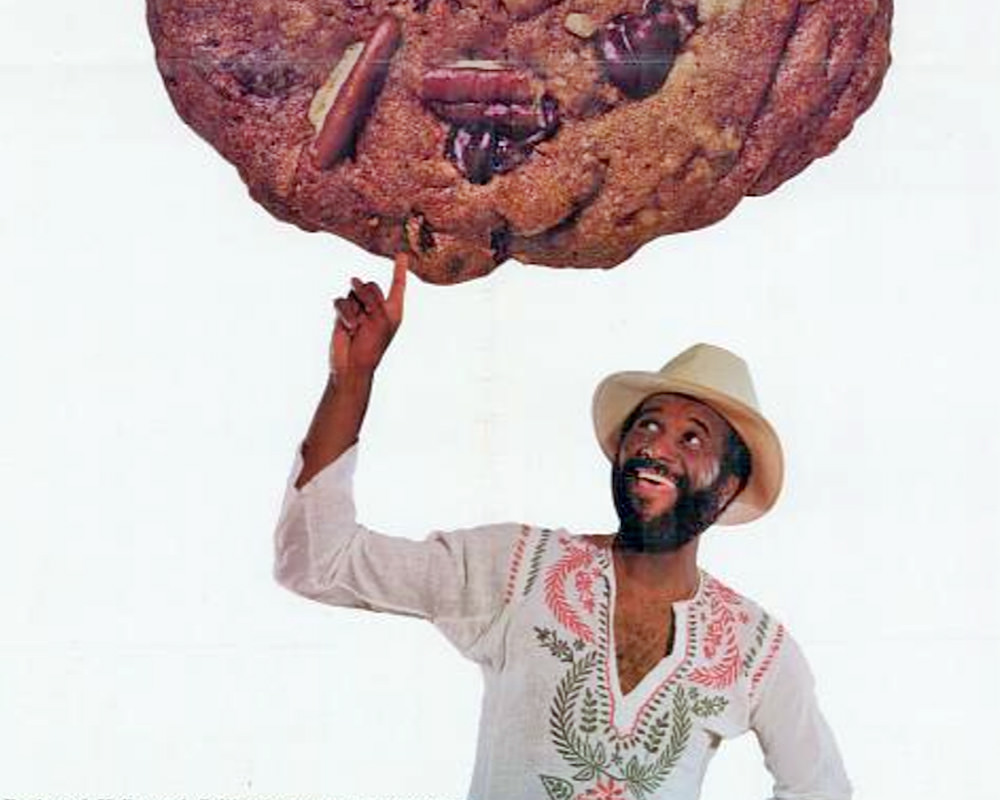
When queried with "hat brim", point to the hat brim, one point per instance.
{"points": [[618, 395]]}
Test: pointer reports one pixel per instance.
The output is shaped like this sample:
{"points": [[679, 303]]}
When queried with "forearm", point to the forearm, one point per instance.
{"points": [[337, 422], [366, 323]]}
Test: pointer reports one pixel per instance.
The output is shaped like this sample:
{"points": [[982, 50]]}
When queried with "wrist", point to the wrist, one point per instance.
{"points": [[351, 380]]}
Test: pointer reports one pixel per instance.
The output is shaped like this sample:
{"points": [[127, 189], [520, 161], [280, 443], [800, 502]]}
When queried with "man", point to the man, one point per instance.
{"points": [[613, 666]]}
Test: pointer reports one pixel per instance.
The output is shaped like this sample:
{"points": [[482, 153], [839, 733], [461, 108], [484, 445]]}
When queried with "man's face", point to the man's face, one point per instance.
{"points": [[667, 480]]}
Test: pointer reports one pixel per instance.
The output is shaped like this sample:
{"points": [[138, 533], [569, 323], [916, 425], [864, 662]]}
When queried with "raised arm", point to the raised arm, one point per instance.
{"points": [[366, 322], [455, 579]]}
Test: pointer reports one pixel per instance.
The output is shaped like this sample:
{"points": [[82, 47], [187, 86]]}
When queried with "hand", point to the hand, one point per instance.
{"points": [[366, 322]]}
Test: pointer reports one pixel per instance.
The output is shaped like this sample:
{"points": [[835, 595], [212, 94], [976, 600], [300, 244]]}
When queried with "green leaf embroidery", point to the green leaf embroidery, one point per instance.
{"points": [[709, 706], [584, 734], [760, 634], [557, 788], [588, 714], [535, 564], [568, 742], [550, 640]]}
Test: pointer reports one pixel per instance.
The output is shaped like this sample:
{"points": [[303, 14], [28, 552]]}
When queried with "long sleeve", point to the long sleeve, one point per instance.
{"points": [[799, 748], [456, 580]]}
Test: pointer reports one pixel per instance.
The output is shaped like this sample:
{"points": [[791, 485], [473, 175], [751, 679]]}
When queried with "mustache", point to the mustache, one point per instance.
{"points": [[636, 463]]}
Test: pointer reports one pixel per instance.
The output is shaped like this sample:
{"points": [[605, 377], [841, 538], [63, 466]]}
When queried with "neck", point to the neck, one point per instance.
{"points": [[670, 575]]}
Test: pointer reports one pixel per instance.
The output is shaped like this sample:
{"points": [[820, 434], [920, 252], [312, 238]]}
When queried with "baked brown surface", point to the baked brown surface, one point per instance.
{"points": [[558, 132]]}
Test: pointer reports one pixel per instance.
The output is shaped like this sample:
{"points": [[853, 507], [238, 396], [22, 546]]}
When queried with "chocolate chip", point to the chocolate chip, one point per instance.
{"points": [[639, 50], [488, 137], [514, 121], [500, 244], [472, 152], [263, 75], [550, 114], [507, 154]]}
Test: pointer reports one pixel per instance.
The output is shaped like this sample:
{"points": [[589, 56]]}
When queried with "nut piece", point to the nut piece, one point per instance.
{"points": [[357, 93], [328, 92], [487, 146], [581, 25], [419, 236], [516, 121], [709, 9], [476, 84]]}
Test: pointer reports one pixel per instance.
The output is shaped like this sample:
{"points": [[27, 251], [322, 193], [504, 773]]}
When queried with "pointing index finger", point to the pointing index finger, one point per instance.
{"points": [[394, 301]]}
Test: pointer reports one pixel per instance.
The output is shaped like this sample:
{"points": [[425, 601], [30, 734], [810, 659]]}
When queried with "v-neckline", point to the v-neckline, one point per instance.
{"points": [[666, 667]]}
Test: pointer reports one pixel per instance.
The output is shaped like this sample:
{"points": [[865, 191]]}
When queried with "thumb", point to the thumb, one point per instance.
{"points": [[394, 302]]}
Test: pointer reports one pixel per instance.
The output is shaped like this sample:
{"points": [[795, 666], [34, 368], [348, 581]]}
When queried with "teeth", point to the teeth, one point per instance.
{"points": [[653, 477]]}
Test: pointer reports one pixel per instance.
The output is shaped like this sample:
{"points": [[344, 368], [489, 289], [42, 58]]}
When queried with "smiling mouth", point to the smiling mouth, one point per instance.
{"points": [[651, 473], [654, 477]]}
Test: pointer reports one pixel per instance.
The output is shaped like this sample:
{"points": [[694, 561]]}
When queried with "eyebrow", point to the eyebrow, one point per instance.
{"points": [[700, 424]]}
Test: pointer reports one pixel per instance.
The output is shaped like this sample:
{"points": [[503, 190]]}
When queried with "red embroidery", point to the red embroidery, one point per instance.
{"points": [[577, 558], [768, 659], [612, 790], [515, 563], [720, 647], [584, 583]]}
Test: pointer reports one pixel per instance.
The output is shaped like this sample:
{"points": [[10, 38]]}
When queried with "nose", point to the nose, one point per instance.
{"points": [[660, 450]]}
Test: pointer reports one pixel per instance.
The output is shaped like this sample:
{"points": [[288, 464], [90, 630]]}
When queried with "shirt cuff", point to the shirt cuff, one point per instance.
{"points": [[337, 475]]}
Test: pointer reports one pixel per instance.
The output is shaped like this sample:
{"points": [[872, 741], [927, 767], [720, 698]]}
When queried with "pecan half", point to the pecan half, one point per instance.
{"points": [[516, 121], [357, 94], [484, 148], [327, 93], [468, 84]]}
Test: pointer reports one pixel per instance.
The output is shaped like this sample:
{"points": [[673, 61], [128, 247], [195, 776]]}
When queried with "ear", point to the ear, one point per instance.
{"points": [[729, 488]]}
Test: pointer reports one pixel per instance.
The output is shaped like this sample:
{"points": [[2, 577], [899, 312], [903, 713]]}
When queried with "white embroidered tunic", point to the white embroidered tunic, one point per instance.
{"points": [[534, 608]]}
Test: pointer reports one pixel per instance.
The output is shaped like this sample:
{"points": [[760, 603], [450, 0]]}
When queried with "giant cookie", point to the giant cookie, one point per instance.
{"points": [[558, 132]]}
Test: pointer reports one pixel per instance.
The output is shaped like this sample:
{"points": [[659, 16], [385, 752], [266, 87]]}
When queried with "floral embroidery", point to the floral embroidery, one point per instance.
{"points": [[612, 790], [720, 647], [637, 770], [577, 558], [604, 760], [583, 581]]}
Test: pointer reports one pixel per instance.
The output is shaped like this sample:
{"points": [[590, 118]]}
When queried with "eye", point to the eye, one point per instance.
{"points": [[648, 425], [692, 439]]}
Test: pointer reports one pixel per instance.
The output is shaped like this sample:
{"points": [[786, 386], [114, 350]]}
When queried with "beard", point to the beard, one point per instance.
{"points": [[692, 512]]}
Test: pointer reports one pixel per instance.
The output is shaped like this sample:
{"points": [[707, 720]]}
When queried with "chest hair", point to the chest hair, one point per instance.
{"points": [[644, 634]]}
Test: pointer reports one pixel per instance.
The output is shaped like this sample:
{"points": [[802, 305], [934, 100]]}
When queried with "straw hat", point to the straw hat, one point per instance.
{"points": [[719, 379]]}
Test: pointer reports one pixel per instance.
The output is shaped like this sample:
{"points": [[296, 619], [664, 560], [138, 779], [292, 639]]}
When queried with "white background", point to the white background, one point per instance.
{"points": [[162, 343]]}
